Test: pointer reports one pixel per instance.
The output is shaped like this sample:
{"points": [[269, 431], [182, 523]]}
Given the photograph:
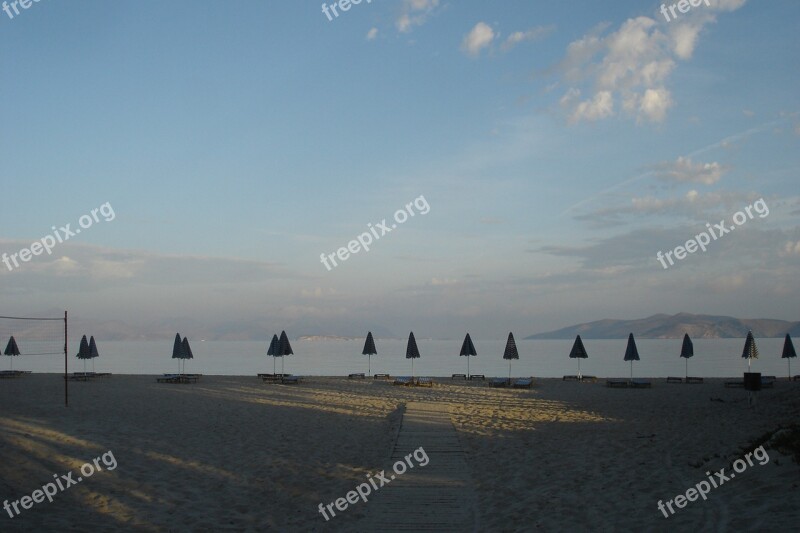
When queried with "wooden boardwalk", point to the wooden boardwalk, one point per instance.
{"points": [[435, 497]]}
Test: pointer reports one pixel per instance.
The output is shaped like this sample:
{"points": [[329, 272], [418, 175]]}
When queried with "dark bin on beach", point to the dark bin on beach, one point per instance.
{"points": [[752, 380]]}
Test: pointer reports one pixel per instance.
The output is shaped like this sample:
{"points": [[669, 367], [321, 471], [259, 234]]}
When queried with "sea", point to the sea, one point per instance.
{"points": [[439, 358]]}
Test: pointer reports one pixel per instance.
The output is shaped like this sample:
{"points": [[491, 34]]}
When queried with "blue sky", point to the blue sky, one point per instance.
{"points": [[559, 145]]}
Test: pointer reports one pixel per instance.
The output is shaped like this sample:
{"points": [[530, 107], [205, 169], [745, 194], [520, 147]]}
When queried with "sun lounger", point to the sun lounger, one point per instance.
{"points": [[381, 376], [523, 383], [13, 373], [694, 381], [621, 383], [570, 378], [641, 383], [477, 376], [796, 378], [589, 378], [403, 380], [177, 378], [674, 380], [425, 382], [359, 375], [499, 382], [87, 375], [459, 376], [291, 380], [768, 381]]}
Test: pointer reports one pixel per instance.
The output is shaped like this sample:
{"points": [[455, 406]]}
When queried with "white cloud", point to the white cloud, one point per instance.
{"points": [[791, 248], [317, 292], [414, 13], [477, 39], [532, 34], [634, 63], [601, 106], [372, 33], [684, 170], [684, 38]]}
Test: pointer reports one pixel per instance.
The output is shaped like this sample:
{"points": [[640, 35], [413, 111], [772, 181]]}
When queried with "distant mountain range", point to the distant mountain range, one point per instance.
{"points": [[660, 326], [673, 327]]}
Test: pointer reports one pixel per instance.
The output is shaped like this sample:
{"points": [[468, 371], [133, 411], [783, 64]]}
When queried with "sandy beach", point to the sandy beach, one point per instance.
{"points": [[233, 454]]}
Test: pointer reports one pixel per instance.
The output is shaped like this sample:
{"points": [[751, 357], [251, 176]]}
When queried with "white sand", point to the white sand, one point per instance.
{"points": [[232, 453]]}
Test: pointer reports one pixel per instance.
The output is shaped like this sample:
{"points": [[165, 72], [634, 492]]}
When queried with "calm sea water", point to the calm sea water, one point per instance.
{"points": [[541, 358]]}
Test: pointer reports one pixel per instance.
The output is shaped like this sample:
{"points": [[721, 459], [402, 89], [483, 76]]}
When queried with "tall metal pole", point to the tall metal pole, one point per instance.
{"points": [[66, 381]]}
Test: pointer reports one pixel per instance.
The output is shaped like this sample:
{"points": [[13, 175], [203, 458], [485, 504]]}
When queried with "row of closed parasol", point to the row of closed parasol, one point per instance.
{"points": [[579, 351], [86, 351], [749, 352], [279, 347], [181, 351], [467, 349]]}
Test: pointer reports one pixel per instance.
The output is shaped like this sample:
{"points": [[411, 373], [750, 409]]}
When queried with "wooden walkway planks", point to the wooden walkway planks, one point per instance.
{"points": [[436, 497]]}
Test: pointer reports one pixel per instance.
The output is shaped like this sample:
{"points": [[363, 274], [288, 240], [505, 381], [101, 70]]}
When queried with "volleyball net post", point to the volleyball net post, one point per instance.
{"points": [[37, 337]]}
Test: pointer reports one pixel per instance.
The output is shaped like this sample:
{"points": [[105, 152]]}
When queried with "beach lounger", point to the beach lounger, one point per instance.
{"points": [[768, 381], [358, 375], [641, 384], [523, 383], [291, 380], [570, 378], [381, 376], [13, 373], [79, 376], [796, 378], [694, 381], [459, 376], [621, 383], [425, 382], [178, 378], [403, 380], [674, 380], [477, 376], [499, 382], [589, 378]]}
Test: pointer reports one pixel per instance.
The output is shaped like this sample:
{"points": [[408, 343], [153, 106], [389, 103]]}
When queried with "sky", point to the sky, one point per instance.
{"points": [[548, 151]]}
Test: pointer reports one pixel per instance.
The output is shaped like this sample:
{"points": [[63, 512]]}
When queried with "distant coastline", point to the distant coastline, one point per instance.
{"points": [[314, 338], [663, 326], [659, 326]]}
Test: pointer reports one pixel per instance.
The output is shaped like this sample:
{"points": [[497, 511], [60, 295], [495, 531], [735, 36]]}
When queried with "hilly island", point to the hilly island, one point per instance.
{"points": [[662, 326]]}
